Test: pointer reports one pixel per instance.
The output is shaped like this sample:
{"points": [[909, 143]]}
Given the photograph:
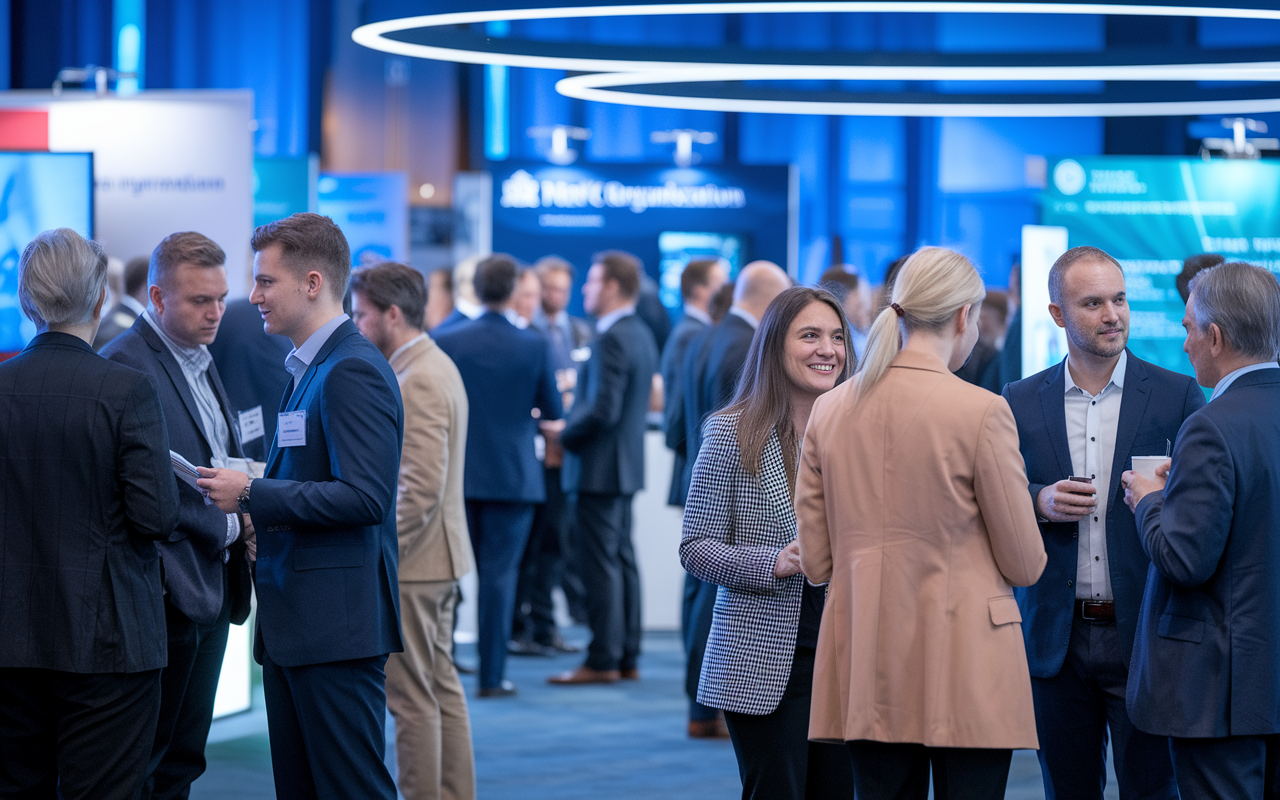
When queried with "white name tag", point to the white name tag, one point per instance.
{"points": [[251, 424], [291, 429]]}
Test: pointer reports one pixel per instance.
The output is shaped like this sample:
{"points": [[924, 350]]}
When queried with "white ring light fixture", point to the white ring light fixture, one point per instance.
{"points": [[606, 87]]}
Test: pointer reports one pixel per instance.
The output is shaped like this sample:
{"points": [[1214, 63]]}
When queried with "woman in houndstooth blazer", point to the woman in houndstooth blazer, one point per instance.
{"points": [[739, 533]]}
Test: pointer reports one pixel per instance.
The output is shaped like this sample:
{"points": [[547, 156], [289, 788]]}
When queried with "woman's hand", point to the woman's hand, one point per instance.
{"points": [[788, 562]]}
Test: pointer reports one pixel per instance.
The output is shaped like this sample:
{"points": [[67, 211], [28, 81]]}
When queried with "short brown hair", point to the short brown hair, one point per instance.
{"points": [[135, 274], [1058, 272], [187, 247], [309, 242], [621, 267], [495, 279], [696, 273], [390, 284]]}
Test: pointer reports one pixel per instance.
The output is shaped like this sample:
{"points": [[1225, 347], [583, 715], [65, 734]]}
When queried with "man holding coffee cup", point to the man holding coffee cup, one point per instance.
{"points": [[1079, 424], [1206, 663]]}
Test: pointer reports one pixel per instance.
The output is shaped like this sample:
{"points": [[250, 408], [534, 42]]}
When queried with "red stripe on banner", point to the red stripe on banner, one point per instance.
{"points": [[24, 130]]}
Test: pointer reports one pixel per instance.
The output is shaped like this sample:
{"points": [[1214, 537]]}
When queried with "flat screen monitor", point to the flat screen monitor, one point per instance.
{"points": [[38, 191], [678, 248]]}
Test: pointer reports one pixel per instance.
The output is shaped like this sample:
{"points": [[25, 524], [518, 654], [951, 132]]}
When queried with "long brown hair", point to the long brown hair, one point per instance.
{"points": [[763, 397]]}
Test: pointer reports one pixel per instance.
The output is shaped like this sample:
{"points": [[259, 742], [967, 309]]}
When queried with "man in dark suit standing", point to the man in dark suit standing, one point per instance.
{"points": [[328, 596], [88, 487], [1087, 417], [206, 573], [604, 436], [1206, 662], [132, 303], [251, 363], [508, 376]]}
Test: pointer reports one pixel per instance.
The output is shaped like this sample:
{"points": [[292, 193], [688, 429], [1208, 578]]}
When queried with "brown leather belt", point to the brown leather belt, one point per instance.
{"points": [[1096, 610]]}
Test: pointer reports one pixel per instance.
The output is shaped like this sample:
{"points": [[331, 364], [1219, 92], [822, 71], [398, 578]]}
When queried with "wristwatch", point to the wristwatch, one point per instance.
{"points": [[243, 499]]}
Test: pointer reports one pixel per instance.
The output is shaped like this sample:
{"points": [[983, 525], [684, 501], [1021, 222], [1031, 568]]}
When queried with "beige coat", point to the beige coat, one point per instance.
{"points": [[430, 518], [914, 505]]}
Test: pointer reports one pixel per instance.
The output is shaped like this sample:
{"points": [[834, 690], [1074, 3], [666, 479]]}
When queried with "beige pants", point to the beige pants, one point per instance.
{"points": [[433, 730]]}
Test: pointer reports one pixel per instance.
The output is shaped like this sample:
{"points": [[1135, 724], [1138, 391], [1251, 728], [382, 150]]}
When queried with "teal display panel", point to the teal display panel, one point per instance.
{"points": [[1151, 213]]}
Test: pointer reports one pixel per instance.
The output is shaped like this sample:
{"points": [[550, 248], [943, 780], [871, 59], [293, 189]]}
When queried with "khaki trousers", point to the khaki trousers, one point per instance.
{"points": [[433, 730]]}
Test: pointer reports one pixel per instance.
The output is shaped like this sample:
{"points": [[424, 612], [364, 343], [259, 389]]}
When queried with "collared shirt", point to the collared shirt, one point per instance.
{"points": [[300, 358], [746, 315], [697, 313], [195, 362], [407, 345], [1226, 382], [515, 319], [559, 331], [1092, 421], [468, 309], [606, 322], [128, 302]]}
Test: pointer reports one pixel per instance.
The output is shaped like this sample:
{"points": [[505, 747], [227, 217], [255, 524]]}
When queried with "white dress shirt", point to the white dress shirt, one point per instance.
{"points": [[1226, 382], [606, 322], [1091, 432], [693, 312], [300, 358]]}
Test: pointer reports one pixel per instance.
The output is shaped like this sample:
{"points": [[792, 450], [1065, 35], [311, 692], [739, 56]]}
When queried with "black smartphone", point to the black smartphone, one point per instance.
{"points": [[1080, 480]]}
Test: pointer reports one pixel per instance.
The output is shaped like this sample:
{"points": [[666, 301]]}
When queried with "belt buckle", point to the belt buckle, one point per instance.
{"points": [[1087, 607]]}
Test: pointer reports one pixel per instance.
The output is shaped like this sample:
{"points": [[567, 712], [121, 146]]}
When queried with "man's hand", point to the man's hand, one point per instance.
{"points": [[1067, 501], [224, 487], [250, 537], [1138, 486], [788, 562]]}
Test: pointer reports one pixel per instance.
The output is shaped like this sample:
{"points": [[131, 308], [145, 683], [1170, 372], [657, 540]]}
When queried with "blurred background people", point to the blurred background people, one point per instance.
{"points": [[132, 302], [508, 375], [433, 729], [439, 298], [204, 565], [1206, 661], [911, 500], [1192, 266], [739, 534], [604, 436], [983, 367], [89, 488], [466, 305], [526, 299], [1086, 417]]}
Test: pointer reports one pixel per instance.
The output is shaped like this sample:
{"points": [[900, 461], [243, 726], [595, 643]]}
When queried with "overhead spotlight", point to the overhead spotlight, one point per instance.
{"points": [[559, 152], [1239, 145], [684, 139]]}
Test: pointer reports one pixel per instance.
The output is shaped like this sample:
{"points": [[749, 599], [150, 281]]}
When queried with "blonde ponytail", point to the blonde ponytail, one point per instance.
{"points": [[932, 286]]}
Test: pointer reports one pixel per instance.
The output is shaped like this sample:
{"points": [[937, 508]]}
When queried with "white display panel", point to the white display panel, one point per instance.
{"points": [[1043, 342]]}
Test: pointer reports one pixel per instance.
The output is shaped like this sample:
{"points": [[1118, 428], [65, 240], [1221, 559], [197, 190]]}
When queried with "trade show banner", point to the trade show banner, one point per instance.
{"points": [[372, 209], [664, 215], [1153, 212], [283, 186]]}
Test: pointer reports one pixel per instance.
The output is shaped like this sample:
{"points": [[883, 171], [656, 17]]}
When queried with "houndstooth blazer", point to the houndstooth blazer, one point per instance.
{"points": [[735, 524]]}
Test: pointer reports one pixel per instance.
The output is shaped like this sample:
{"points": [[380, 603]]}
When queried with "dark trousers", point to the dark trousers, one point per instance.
{"points": [[1075, 709], [187, 688], [776, 760], [499, 532], [695, 624], [70, 736], [326, 727], [611, 579], [542, 567], [885, 771], [1230, 768]]}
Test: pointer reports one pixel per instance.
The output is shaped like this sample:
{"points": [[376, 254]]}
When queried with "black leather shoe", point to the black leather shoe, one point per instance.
{"points": [[559, 645], [527, 647], [504, 689]]}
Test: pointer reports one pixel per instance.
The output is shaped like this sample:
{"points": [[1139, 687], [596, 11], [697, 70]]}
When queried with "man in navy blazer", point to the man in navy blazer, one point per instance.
{"points": [[1087, 417], [206, 572], [508, 375], [324, 516], [1206, 661]]}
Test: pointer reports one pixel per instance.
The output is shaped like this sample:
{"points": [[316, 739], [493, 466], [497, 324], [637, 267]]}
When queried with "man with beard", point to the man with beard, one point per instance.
{"points": [[1079, 424]]}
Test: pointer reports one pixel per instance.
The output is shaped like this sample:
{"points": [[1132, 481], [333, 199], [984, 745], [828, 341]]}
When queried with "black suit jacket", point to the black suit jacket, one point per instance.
{"points": [[673, 412], [192, 555], [604, 433], [115, 322], [87, 488], [710, 377], [251, 364]]}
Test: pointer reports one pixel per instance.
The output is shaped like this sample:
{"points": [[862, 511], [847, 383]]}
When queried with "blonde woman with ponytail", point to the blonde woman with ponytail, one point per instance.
{"points": [[911, 500]]}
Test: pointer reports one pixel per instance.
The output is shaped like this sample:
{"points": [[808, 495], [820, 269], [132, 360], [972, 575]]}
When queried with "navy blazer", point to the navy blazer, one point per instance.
{"points": [[604, 433], [1154, 404], [1206, 662], [727, 348], [673, 413], [325, 514], [250, 362], [87, 488], [507, 372], [192, 554], [454, 320]]}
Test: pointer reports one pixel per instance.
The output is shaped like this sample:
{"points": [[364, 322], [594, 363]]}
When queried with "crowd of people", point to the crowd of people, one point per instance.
{"points": [[903, 560]]}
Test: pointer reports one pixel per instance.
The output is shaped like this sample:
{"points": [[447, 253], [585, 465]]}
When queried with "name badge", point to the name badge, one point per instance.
{"points": [[291, 429], [251, 424]]}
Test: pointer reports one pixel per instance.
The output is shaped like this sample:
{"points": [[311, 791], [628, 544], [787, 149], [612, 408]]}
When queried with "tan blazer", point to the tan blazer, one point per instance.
{"points": [[430, 518], [914, 505]]}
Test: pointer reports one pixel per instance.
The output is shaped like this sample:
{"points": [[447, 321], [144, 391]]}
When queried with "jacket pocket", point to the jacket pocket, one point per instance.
{"points": [[1186, 629], [330, 556], [1004, 610]]}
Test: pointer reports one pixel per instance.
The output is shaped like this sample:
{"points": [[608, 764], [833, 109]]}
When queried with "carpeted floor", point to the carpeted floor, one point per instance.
{"points": [[560, 743]]}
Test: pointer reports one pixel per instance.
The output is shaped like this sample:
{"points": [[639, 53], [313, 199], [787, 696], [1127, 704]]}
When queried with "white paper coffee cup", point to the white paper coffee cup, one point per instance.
{"points": [[1146, 465]]}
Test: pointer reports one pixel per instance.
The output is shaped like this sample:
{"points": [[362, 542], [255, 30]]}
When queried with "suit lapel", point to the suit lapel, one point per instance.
{"points": [[773, 476], [294, 399], [224, 403], [1133, 407], [176, 376], [1055, 417]]}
